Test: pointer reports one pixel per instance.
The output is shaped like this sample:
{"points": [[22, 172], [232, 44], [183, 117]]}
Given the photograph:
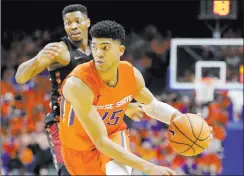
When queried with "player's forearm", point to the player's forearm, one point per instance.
{"points": [[123, 156], [160, 111], [30, 68]]}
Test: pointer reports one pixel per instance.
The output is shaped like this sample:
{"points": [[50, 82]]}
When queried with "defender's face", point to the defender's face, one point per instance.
{"points": [[106, 52], [76, 25]]}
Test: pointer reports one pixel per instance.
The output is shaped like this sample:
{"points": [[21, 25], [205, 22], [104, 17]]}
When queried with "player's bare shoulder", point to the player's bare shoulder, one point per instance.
{"points": [[74, 87], [60, 53]]}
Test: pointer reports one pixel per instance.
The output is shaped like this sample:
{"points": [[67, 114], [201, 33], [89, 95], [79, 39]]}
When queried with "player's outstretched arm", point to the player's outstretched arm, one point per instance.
{"points": [[51, 53], [134, 111], [81, 98], [152, 107]]}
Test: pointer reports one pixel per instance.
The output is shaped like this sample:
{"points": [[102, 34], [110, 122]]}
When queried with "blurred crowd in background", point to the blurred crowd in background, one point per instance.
{"points": [[24, 107]]}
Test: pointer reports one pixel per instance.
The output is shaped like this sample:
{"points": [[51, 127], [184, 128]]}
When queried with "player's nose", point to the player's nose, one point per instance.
{"points": [[99, 54], [99, 57], [74, 26]]}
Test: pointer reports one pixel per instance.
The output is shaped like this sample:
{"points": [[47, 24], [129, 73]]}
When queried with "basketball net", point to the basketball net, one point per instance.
{"points": [[204, 89]]}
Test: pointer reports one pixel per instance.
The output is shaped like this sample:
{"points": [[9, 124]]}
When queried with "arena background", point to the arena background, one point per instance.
{"points": [[27, 26]]}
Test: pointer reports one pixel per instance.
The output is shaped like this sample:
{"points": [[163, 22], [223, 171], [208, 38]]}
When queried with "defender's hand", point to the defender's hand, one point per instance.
{"points": [[50, 119], [134, 112], [51, 50]]}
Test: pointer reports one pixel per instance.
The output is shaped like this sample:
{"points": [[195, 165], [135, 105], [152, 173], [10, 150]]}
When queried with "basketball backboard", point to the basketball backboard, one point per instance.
{"points": [[192, 59]]}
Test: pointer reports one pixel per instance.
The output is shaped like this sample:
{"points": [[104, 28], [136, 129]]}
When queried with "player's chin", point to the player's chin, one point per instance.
{"points": [[76, 38], [101, 67]]}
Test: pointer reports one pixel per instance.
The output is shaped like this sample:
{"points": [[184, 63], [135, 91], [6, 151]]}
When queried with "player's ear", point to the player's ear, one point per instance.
{"points": [[122, 50], [88, 22]]}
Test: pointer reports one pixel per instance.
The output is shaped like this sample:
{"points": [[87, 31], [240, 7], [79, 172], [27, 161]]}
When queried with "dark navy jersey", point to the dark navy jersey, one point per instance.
{"points": [[58, 75]]}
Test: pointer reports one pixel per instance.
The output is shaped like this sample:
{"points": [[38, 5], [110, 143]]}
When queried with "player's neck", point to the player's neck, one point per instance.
{"points": [[110, 77], [82, 45]]}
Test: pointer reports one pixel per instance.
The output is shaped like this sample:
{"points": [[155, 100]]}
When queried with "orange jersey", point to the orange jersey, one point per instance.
{"points": [[110, 102]]}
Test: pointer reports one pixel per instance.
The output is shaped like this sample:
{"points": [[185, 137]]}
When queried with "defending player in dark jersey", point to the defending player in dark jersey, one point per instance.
{"points": [[60, 58]]}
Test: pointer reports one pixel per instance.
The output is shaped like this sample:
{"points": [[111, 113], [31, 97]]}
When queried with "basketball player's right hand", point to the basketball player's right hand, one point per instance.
{"points": [[51, 50], [160, 170]]}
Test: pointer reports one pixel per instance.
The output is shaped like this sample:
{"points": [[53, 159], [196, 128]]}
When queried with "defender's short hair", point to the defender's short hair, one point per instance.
{"points": [[108, 29], [73, 8]]}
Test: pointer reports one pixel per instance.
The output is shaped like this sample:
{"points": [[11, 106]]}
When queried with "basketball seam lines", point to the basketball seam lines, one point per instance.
{"points": [[183, 144], [205, 138], [185, 135], [200, 132], [194, 134], [192, 127]]}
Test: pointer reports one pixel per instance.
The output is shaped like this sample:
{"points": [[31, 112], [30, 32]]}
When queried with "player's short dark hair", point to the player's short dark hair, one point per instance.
{"points": [[74, 8], [108, 29]]}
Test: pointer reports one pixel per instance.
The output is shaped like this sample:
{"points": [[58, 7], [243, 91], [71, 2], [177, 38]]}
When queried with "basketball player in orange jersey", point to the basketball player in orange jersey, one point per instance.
{"points": [[95, 96], [61, 58]]}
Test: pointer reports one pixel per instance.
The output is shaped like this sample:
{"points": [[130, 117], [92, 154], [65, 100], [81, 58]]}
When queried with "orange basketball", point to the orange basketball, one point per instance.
{"points": [[189, 134]]}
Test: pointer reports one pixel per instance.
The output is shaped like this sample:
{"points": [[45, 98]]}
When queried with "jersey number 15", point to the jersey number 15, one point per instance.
{"points": [[113, 116]]}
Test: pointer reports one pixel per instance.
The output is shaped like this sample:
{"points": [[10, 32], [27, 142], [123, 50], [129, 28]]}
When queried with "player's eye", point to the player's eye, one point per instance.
{"points": [[68, 23], [93, 47], [105, 48]]}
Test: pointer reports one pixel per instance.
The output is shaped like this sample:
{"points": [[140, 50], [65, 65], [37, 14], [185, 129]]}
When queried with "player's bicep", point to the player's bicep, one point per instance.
{"points": [[143, 95], [81, 98]]}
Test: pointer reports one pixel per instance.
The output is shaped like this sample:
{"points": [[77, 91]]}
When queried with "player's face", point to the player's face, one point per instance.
{"points": [[106, 52], [76, 25]]}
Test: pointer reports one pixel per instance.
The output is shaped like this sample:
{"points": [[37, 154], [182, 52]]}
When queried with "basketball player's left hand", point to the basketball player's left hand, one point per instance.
{"points": [[134, 112], [210, 128]]}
